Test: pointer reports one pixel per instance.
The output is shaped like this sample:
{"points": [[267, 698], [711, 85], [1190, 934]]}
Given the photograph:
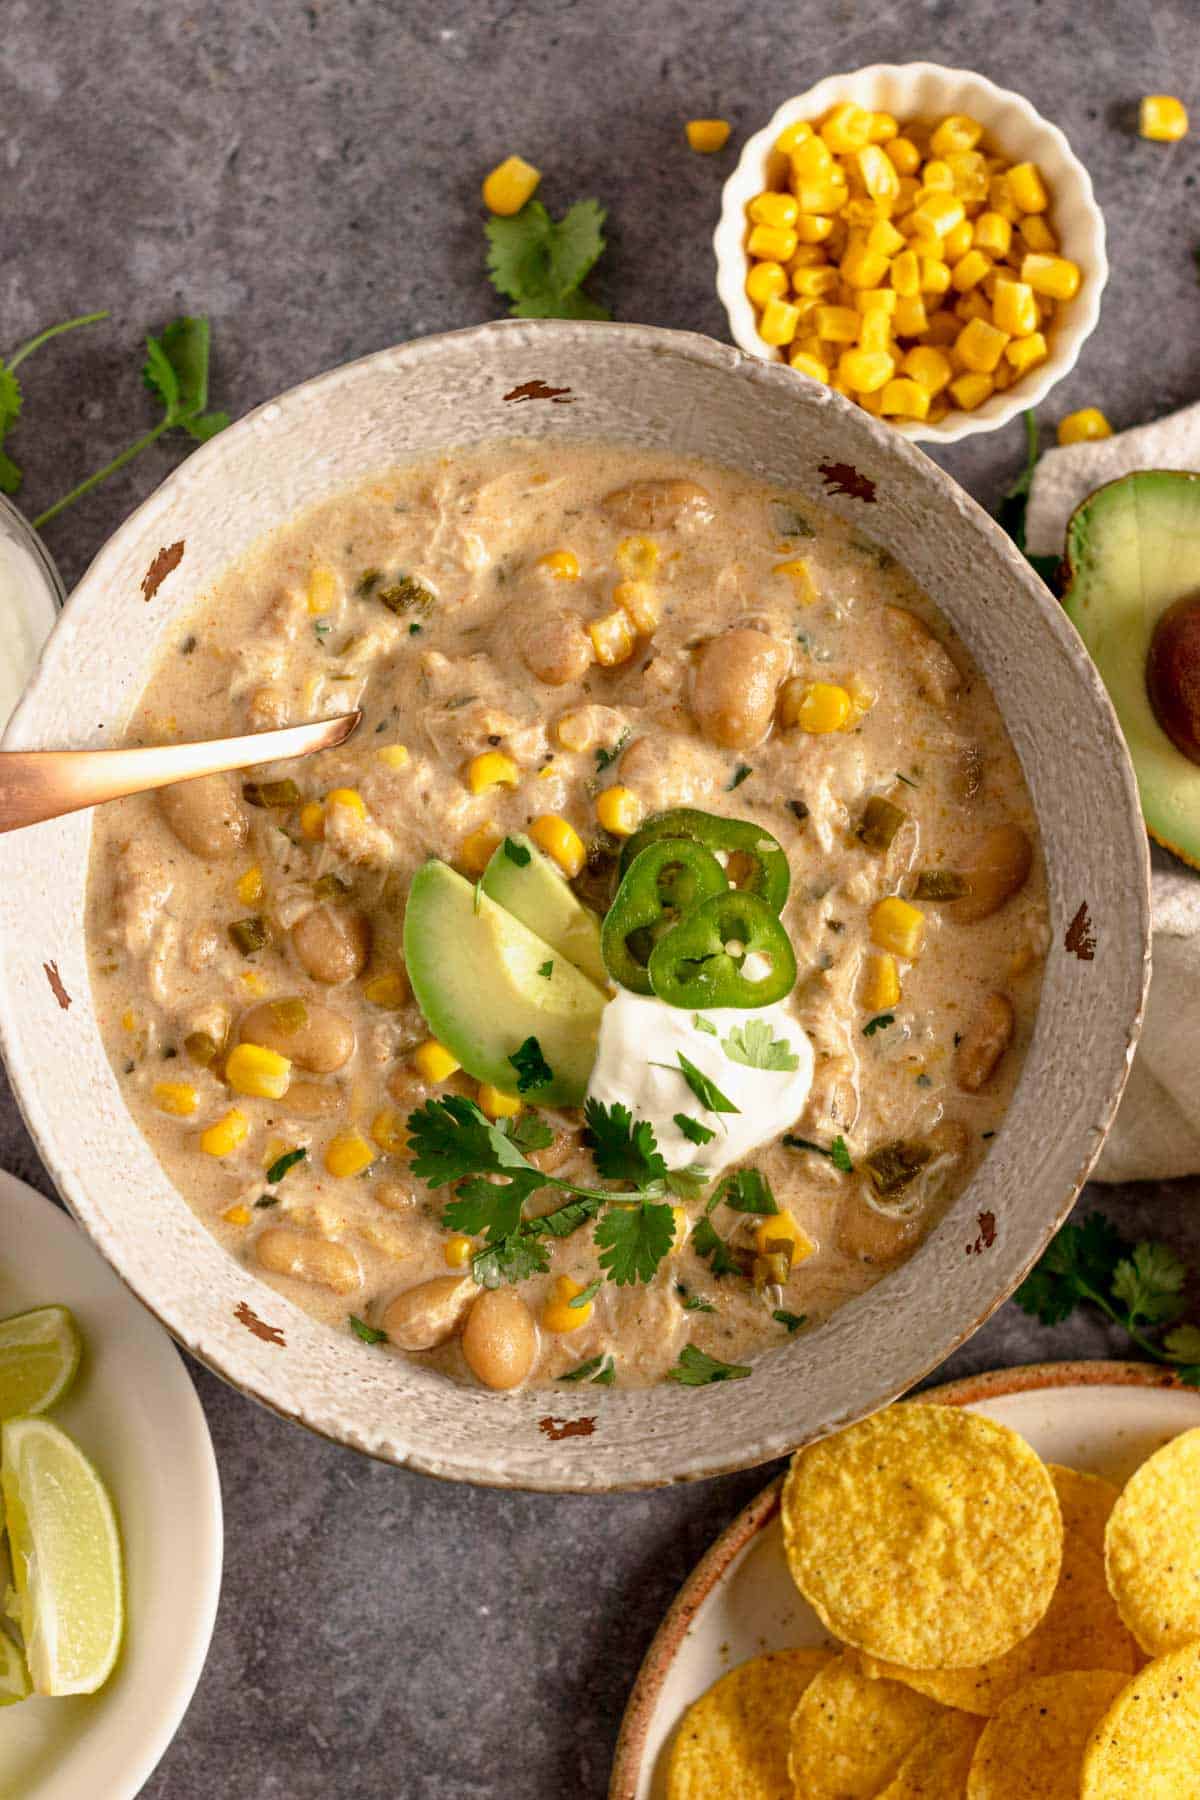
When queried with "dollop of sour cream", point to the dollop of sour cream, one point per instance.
{"points": [[637, 1064]]}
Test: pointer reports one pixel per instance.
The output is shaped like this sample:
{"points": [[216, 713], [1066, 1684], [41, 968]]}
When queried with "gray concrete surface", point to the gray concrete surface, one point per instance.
{"points": [[307, 175]]}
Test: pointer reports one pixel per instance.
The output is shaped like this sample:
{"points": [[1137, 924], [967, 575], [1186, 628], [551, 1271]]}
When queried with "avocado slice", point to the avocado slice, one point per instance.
{"points": [[1132, 554], [474, 972], [534, 892]]}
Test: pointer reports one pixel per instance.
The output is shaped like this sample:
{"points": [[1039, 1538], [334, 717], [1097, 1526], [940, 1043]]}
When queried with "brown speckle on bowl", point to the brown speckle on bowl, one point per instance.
{"points": [[1081, 939], [56, 985], [843, 478], [987, 1234], [557, 1429], [270, 1334], [168, 558], [537, 390]]}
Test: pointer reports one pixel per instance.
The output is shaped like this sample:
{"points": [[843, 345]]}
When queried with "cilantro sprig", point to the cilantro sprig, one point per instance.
{"points": [[1138, 1286], [539, 264], [1014, 504], [12, 397]]}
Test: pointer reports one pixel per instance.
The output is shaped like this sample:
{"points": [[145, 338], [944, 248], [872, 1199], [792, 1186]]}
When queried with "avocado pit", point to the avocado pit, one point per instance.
{"points": [[1173, 674]]}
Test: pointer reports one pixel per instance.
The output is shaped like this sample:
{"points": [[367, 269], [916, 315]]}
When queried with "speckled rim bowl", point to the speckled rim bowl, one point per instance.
{"points": [[558, 383], [929, 91]]}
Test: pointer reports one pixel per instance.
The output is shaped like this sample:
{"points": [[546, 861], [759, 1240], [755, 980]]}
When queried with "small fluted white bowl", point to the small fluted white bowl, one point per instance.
{"points": [[1014, 127]]}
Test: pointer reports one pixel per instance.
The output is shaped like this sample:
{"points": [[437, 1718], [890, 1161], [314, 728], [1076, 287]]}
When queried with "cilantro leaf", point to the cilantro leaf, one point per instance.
{"points": [[693, 1130], [623, 1150], [696, 1368], [742, 773], [1150, 1282], [686, 1184], [538, 264], [1183, 1344], [512, 1258], [546, 970], [695, 1303], [634, 1239], [564, 1219], [706, 1091], [490, 1207], [707, 1242], [452, 1138], [533, 1071], [702, 1024], [368, 1333], [585, 1296], [747, 1191], [880, 1022], [1079, 1262], [516, 853], [756, 1046], [837, 1153], [280, 1167], [530, 1131], [598, 1369], [605, 757], [792, 1320]]}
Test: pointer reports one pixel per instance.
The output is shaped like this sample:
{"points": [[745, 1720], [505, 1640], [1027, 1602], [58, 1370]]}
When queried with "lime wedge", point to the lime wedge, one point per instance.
{"points": [[14, 1676], [39, 1354], [66, 1558]]}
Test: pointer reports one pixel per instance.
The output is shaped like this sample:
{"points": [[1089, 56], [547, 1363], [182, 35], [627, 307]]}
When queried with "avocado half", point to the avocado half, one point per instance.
{"points": [[1133, 555]]}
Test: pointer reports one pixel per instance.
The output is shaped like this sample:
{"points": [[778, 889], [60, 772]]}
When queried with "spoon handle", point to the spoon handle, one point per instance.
{"points": [[44, 784]]}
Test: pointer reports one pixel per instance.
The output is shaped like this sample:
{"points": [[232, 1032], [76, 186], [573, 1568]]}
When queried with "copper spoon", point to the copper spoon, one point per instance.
{"points": [[44, 784]]}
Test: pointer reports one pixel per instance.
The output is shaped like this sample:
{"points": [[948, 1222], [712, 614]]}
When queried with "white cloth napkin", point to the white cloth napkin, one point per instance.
{"points": [[1157, 1130]]}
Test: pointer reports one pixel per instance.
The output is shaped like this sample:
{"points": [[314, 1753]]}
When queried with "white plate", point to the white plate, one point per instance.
{"points": [[739, 1600], [134, 1411]]}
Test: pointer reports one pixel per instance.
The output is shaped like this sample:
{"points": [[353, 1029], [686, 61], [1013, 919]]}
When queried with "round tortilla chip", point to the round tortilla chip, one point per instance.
{"points": [[733, 1740], [926, 1535], [849, 1735], [1033, 1748], [1147, 1745], [1085, 1501], [936, 1768], [1152, 1548], [1081, 1629]]}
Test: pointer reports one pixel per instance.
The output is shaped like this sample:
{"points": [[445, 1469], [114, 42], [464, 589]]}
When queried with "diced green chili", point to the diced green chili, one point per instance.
{"points": [[271, 793], [332, 887], [767, 873], [893, 1166], [772, 1266], [289, 1015], [407, 594], [369, 579], [881, 821], [941, 884], [199, 1047], [700, 962], [663, 883], [249, 935]]}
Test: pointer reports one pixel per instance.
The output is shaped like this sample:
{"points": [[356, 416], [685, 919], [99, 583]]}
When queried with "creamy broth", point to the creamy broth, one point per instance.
{"points": [[745, 601]]}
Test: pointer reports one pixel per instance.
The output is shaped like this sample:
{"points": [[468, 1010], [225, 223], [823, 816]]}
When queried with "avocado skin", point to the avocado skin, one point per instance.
{"points": [[1133, 553]]}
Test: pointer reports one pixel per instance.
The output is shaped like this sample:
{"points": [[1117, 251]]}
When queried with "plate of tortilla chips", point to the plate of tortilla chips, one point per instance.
{"points": [[989, 1592]]}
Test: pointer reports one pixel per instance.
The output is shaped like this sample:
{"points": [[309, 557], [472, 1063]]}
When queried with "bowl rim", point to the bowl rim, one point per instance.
{"points": [[295, 1403], [746, 179]]}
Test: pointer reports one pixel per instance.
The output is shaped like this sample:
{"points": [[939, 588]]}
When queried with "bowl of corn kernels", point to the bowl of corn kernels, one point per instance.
{"points": [[919, 239]]}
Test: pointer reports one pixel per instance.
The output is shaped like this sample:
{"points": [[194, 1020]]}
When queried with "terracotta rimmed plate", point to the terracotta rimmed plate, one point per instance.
{"points": [[135, 1412], [1102, 1417]]}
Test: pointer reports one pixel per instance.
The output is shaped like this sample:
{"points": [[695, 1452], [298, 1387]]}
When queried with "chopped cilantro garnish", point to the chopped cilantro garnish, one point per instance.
{"points": [[693, 1130], [280, 1167], [747, 1191], [702, 1024], [742, 773], [634, 1239], [756, 1046], [696, 1368], [606, 757], [597, 1369], [585, 1296], [793, 1321], [367, 1333], [539, 264], [880, 1022], [533, 1071], [837, 1153], [706, 1091], [546, 970], [516, 853]]}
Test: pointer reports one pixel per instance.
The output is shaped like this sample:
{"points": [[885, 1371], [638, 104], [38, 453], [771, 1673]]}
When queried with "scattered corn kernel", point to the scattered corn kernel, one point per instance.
{"points": [[821, 707], [558, 1314], [223, 1137], [349, 798], [1054, 276], [348, 1153], [619, 810], [862, 267], [897, 926], [388, 989], [510, 184], [613, 636], [707, 135], [877, 172], [492, 768], [561, 842], [176, 1097], [433, 1062], [475, 851], [781, 1232], [1162, 118], [812, 229], [1084, 426], [773, 242], [389, 1131], [322, 590], [906, 274], [251, 1069], [881, 984], [250, 886], [312, 820], [457, 1250], [237, 1215], [495, 1104], [393, 756]]}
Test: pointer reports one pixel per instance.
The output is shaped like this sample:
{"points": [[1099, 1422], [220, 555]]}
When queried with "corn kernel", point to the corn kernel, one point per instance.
{"points": [[563, 565], [806, 364], [433, 1062], [251, 1069], [804, 590], [640, 602], [973, 306], [935, 275], [883, 127], [1083, 427], [979, 346], [312, 820], [772, 242], [956, 132], [510, 184], [868, 300], [249, 887], [818, 707], [491, 769], [1054, 276], [322, 590], [957, 243], [992, 232], [393, 756], [928, 366], [561, 842], [911, 319], [475, 851], [906, 399], [1014, 308], [792, 136], [681, 1225], [457, 1250], [781, 1232], [176, 1097], [846, 128], [884, 240], [938, 213], [906, 274], [1036, 234], [253, 982], [1162, 118], [237, 1215], [779, 323], [969, 270], [619, 810], [1027, 188], [862, 267], [706, 136], [348, 1153], [812, 229], [874, 331], [865, 370], [877, 173], [388, 989], [223, 1137], [558, 1314], [898, 927], [881, 983], [612, 638], [349, 798], [820, 198], [495, 1104], [389, 1131], [1025, 353], [811, 159], [774, 209], [970, 391], [766, 281], [904, 155], [816, 284], [837, 324]]}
